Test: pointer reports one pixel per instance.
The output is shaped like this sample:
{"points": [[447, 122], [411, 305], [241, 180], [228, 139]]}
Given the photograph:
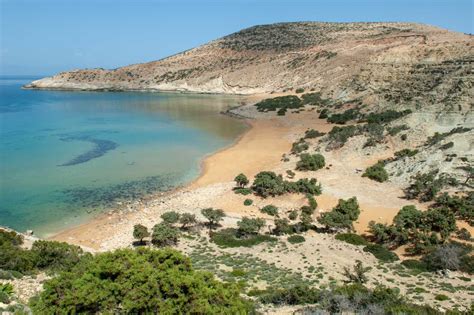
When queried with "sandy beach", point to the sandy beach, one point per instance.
{"points": [[260, 148]]}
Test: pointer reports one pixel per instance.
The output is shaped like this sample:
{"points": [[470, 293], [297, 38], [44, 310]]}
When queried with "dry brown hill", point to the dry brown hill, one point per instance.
{"points": [[383, 64]]}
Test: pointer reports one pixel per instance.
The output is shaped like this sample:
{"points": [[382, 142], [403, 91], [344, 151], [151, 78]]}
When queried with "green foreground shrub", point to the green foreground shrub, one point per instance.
{"points": [[295, 239], [352, 238], [381, 253], [138, 281], [230, 238]]}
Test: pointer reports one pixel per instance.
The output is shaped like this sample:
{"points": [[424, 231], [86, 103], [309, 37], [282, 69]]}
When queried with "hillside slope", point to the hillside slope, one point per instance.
{"points": [[379, 63]]}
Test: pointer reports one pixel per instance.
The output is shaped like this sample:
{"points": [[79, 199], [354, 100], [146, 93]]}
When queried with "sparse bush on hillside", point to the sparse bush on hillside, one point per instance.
{"points": [[187, 219], [314, 99], [425, 186], [299, 90], [310, 162], [270, 210], [241, 180], [299, 146], [311, 134], [358, 274], [386, 116], [381, 253], [140, 232], [405, 153], [437, 137], [351, 238], [376, 172], [324, 113], [338, 136], [250, 226], [170, 217], [296, 239], [268, 184], [342, 215], [397, 129], [231, 238], [248, 202], [281, 102], [341, 119]]}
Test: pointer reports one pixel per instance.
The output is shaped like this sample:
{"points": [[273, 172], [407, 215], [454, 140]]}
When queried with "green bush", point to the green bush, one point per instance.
{"points": [[248, 202], [230, 238], [241, 180], [56, 255], [243, 191], [381, 253], [292, 296], [250, 226], [299, 146], [164, 235], [425, 186], [299, 90], [376, 172], [324, 113], [405, 152], [386, 116], [310, 162], [437, 137], [140, 232], [397, 129], [270, 210], [338, 136], [295, 239], [441, 297], [352, 238], [311, 134], [268, 184], [138, 282], [281, 102], [416, 265], [341, 119], [342, 215], [170, 217]]}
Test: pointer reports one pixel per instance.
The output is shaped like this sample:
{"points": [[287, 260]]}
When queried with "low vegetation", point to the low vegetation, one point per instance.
{"points": [[114, 282], [310, 162], [268, 184], [342, 216], [376, 172]]}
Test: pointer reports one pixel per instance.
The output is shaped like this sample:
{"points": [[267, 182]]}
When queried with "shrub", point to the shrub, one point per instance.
{"points": [[304, 186], [187, 219], [56, 255], [446, 256], [214, 216], [425, 186], [299, 90], [243, 191], [299, 146], [313, 204], [314, 99], [6, 292], [268, 184], [386, 116], [170, 217], [352, 238], [281, 102], [446, 146], [115, 282], [295, 239], [415, 265], [341, 216], [310, 162], [249, 226], [292, 296], [230, 238], [405, 153], [140, 232], [397, 129], [248, 202], [381, 253], [441, 297], [164, 235], [437, 137], [241, 180], [403, 137], [270, 210], [324, 114], [311, 134], [358, 273], [338, 136], [376, 172], [463, 234], [344, 117], [282, 226]]}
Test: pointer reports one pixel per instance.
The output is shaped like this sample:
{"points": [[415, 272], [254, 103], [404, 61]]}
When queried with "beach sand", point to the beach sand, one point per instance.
{"points": [[260, 148]]}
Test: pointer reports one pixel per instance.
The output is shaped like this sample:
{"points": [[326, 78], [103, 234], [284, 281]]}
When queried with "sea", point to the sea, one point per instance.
{"points": [[67, 156]]}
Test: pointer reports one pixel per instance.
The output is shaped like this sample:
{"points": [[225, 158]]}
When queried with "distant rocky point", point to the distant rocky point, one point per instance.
{"points": [[384, 64]]}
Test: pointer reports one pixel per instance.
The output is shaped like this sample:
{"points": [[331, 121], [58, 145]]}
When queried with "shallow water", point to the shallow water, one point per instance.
{"points": [[66, 156]]}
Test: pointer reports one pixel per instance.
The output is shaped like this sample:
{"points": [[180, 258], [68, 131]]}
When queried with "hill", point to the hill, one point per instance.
{"points": [[385, 64]]}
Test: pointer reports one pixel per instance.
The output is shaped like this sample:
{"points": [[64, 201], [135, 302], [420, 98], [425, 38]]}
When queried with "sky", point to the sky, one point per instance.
{"points": [[43, 37]]}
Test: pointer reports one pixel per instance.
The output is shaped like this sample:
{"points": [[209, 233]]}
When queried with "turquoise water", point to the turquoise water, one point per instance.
{"points": [[66, 156]]}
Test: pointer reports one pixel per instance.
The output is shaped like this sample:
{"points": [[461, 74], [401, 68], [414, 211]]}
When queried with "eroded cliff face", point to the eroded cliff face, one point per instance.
{"points": [[382, 64]]}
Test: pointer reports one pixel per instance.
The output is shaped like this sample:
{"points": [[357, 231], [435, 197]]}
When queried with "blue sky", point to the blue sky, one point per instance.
{"points": [[42, 37]]}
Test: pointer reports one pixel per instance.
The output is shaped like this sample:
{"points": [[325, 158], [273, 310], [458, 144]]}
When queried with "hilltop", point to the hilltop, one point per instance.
{"points": [[383, 64]]}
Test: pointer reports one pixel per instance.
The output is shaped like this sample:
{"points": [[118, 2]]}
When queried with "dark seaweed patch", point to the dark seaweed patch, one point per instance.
{"points": [[107, 196], [101, 147]]}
